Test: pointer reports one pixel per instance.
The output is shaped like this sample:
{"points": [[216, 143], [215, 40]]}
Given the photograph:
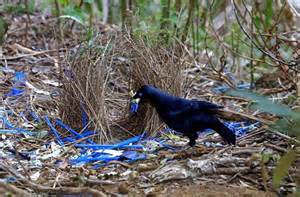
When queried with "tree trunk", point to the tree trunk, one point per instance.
{"points": [[189, 20], [164, 21]]}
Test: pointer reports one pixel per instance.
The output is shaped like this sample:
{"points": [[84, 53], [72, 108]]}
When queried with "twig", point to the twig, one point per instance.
{"points": [[284, 136], [242, 116], [13, 189], [60, 190], [278, 148]]}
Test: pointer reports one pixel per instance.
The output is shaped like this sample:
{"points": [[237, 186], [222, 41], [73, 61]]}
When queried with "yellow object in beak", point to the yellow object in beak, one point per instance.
{"points": [[137, 100]]}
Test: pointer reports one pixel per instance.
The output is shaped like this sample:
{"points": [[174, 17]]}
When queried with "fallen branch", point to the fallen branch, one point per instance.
{"points": [[46, 189], [14, 190]]}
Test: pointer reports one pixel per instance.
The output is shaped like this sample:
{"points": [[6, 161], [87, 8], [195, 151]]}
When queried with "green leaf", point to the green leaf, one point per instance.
{"points": [[74, 13], [257, 21], [75, 18], [262, 103], [282, 167], [3, 29], [88, 1], [269, 13]]}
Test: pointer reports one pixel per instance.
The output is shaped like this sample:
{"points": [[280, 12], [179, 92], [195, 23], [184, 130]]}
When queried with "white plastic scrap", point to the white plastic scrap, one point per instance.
{"points": [[152, 145], [36, 90], [35, 176], [56, 150], [173, 171], [206, 166]]}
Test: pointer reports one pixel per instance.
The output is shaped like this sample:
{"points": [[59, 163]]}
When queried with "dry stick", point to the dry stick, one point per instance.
{"points": [[270, 55], [13, 189], [253, 133], [284, 136], [278, 148], [243, 115], [42, 188], [28, 55]]}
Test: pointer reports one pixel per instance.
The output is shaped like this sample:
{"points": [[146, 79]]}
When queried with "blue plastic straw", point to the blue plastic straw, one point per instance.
{"points": [[15, 92], [87, 159], [11, 126], [78, 135], [128, 141], [9, 131], [134, 107], [107, 146], [35, 117], [55, 132], [20, 77]]}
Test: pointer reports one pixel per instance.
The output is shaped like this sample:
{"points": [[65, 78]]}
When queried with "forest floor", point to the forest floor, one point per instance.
{"points": [[205, 170]]}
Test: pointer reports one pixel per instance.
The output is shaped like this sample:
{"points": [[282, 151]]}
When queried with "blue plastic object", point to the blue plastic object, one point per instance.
{"points": [[15, 92], [35, 117], [133, 155], [134, 107], [20, 78], [78, 135], [224, 88], [8, 125], [88, 158], [55, 132], [108, 146], [241, 128]]}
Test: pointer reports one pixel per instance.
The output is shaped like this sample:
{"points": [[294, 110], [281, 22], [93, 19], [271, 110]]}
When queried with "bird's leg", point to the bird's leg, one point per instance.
{"points": [[192, 136]]}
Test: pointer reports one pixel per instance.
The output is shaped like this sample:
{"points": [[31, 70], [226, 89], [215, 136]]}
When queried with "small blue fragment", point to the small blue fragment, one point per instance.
{"points": [[133, 155], [20, 77], [134, 107], [15, 92]]}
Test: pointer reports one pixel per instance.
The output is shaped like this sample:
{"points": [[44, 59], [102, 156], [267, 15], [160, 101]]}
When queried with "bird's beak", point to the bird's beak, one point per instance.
{"points": [[132, 94]]}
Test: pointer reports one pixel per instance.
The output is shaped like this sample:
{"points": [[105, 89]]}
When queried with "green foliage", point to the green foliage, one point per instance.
{"points": [[290, 122], [74, 13], [264, 104], [283, 166], [19, 8], [269, 13], [3, 30]]}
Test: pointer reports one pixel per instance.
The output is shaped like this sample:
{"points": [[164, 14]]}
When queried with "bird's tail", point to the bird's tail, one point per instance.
{"points": [[226, 133]]}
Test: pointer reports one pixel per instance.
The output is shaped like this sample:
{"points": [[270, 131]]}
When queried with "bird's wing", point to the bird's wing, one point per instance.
{"points": [[190, 107], [196, 105]]}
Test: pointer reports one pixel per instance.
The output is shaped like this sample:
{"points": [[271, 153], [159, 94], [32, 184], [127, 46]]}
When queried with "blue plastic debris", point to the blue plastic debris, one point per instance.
{"points": [[241, 128], [78, 135], [35, 117], [134, 107], [133, 155], [108, 146], [55, 132], [224, 88], [15, 92], [89, 158], [20, 78], [9, 131], [9, 125], [88, 133], [128, 141]]}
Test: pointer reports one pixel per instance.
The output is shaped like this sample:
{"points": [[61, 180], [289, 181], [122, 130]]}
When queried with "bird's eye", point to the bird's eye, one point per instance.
{"points": [[140, 94]]}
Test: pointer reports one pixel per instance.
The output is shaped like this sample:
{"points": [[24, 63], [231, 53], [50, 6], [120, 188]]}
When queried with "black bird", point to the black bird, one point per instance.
{"points": [[182, 115]]}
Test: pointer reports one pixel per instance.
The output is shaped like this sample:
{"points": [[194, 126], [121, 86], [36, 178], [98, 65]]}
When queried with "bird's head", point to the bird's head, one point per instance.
{"points": [[142, 95]]}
